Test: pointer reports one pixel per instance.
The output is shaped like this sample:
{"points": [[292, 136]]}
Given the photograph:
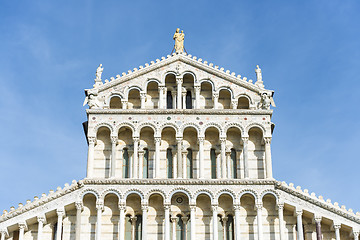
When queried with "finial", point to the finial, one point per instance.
{"points": [[179, 40], [98, 74], [259, 81]]}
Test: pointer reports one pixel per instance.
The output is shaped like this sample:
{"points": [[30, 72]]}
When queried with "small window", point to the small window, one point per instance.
{"points": [[126, 163], [169, 157], [188, 100], [169, 100], [213, 163]]}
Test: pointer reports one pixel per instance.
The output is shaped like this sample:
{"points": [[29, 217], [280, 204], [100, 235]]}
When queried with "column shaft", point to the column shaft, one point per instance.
{"points": [[174, 159], [157, 157], [144, 222], [60, 214], [99, 208], [192, 221], [245, 153], [218, 165], [300, 232], [337, 231], [173, 94], [113, 156], [228, 164], [178, 157], [281, 221], [141, 164], [318, 227], [79, 207], [197, 97], [184, 165], [167, 222], [90, 163], [268, 162], [216, 100], [135, 158], [161, 97], [237, 222], [223, 157], [201, 157], [215, 223], [184, 100], [173, 220], [3, 234], [179, 91], [41, 221], [122, 222], [142, 99], [21, 232], [259, 208]]}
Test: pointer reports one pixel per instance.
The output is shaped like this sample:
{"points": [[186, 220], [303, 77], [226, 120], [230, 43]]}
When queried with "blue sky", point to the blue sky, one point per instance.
{"points": [[309, 52]]}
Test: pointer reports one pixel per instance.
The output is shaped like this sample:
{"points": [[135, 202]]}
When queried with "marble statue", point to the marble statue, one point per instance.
{"points": [[265, 102], [92, 101], [258, 73], [179, 40], [99, 71]]}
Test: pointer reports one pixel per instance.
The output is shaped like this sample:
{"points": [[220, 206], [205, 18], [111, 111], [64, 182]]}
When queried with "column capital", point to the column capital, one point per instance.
{"points": [[234, 103], [60, 212], [162, 88], [122, 206], [201, 139], [173, 93], [22, 225], [214, 207], [197, 88], [337, 225], [167, 206], [91, 140], [144, 207], [298, 212], [100, 205], [142, 94], [184, 219], [133, 220], [258, 205], [157, 139], [192, 207], [41, 218], [4, 231], [280, 206], [356, 234], [215, 95], [222, 140], [136, 139], [79, 205], [114, 139], [267, 140], [173, 219], [317, 218], [244, 139], [179, 139], [237, 207], [179, 80]]}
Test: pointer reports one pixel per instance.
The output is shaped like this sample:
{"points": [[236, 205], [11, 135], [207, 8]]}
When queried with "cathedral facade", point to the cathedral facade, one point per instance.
{"points": [[179, 149]]}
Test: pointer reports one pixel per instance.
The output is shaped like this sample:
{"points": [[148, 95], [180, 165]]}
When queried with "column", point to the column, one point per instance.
{"points": [[215, 222], [41, 220], [228, 163], [144, 208], [224, 219], [234, 104], [216, 100], [135, 164], [201, 156], [184, 160], [141, 163], [122, 208], [157, 157], [142, 100], [185, 220], [178, 155], [259, 207], [60, 213], [174, 159], [268, 162], [79, 208], [197, 96], [237, 221], [318, 227], [99, 208], [281, 220], [337, 227], [114, 140], [167, 221], [179, 81], [245, 153], [3, 233], [356, 234], [173, 221], [133, 223], [192, 221], [22, 226], [173, 94], [223, 157], [184, 99], [90, 163], [218, 163], [131, 163], [300, 235], [161, 97], [124, 104]]}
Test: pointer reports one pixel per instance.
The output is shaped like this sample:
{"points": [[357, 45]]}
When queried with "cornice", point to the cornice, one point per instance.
{"points": [[182, 111]]}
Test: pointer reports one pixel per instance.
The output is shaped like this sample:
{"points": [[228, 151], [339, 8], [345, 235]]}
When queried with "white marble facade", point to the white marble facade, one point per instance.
{"points": [[179, 149]]}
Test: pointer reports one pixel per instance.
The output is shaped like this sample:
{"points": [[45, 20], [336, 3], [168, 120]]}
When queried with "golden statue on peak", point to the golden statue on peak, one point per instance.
{"points": [[179, 40]]}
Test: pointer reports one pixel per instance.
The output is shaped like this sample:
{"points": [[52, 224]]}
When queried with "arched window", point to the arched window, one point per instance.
{"points": [[146, 163], [230, 228], [126, 172], [188, 100], [138, 227], [213, 163], [115, 103], [189, 163], [169, 100], [169, 159], [233, 163]]}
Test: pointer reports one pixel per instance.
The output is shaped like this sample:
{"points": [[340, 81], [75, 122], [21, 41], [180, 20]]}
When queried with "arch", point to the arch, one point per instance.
{"points": [[231, 193], [215, 125], [245, 96], [146, 83], [248, 191], [180, 190], [156, 191], [225, 88], [206, 192], [164, 75], [255, 125], [111, 95], [271, 192], [171, 125], [235, 125], [208, 81], [103, 124], [134, 191], [88, 191], [191, 125], [189, 72], [125, 124], [148, 124], [128, 89], [110, 191]]}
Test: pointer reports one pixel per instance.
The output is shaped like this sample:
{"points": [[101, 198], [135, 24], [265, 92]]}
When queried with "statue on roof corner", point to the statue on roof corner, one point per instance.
{"points": [[179, 40], [99, 71]]}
